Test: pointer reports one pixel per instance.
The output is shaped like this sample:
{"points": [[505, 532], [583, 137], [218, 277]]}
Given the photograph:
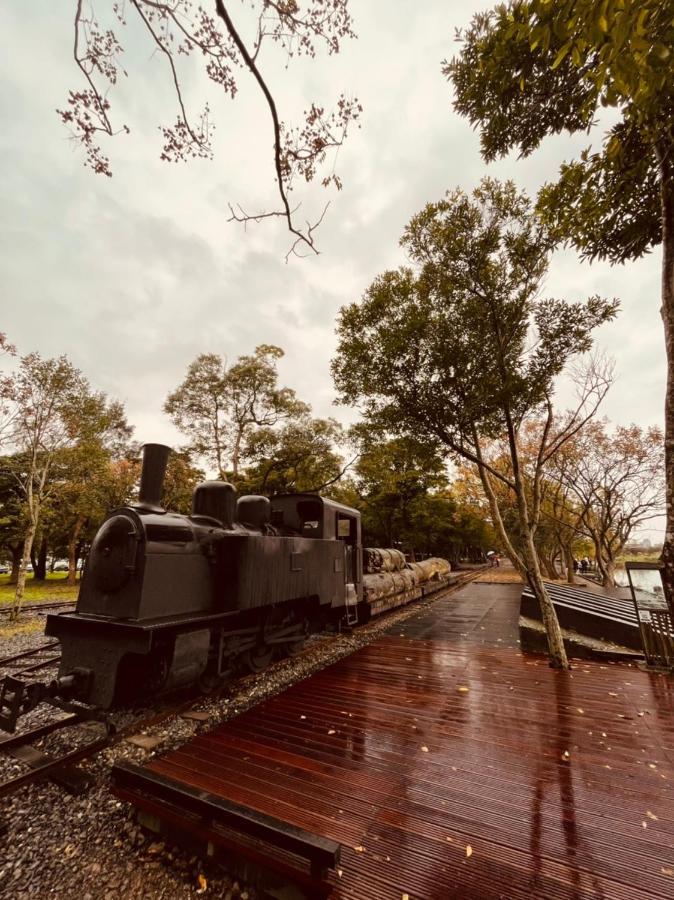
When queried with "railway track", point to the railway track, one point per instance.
{"points": [[61, 769], [38, 658], [36, 607]]}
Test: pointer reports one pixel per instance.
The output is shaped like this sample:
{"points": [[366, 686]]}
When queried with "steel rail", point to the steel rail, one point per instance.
{"points": [[33, 607], [24, 654]]}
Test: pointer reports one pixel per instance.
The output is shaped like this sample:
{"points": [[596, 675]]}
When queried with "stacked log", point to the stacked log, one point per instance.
{"points": [[384, 582], [376, 560]]}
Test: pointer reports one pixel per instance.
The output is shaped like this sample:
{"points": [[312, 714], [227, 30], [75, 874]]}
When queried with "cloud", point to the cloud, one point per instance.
{"points": [[133, 276]]}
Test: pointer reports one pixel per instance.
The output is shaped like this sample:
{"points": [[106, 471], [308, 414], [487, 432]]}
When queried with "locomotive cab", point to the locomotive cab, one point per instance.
{"points": [[316, 517]]}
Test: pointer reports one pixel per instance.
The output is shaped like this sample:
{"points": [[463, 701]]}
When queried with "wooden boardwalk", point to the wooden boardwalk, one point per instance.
{"points": [[449, 765]]}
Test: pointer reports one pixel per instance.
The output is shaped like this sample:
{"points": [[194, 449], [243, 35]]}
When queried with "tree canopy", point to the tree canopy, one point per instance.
{"points": [[218, 405], [530, 69], [462, 349]]}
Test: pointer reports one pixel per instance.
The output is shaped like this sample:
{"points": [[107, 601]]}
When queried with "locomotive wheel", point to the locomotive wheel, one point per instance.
{"points": [[258, 657], [209, 684], [295, 647]]}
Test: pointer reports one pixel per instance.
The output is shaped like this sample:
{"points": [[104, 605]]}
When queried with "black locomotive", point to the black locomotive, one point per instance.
{"points": [[169, 600]]}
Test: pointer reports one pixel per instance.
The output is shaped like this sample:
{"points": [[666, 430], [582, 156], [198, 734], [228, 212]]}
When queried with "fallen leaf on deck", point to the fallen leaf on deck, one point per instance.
{"points": [[469, 850], [406, 897], [612, 694], [302, 717], [424, 749], [651, 815], [644, 825], [332, 731], [566, 755], [359, 849], [581, 711], [463, 689], [667, 871], [652, 766]]}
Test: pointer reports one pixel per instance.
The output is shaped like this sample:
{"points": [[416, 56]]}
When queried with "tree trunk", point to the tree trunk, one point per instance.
{"points": [[666, 164], [568, 562], [40, 564], [556, 649], [21, 581], [33, 558], [73, 544], [608, 573], [499, 525], [15, 550]]}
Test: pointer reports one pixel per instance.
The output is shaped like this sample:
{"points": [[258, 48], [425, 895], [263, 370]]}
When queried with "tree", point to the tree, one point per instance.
{"points": [[301, 456], [177, 29], [534, 68], [616, 477], [392, 478], [463, 349], [218, 405], [12, 513], [53, 410], [182, 476], [401, 488], [81, 470]]}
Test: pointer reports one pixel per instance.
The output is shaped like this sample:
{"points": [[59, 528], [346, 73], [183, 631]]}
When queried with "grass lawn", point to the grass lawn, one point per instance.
{"points": [[54, 588]]}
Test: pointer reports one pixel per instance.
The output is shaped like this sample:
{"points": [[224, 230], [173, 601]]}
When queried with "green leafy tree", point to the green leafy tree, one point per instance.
{"points": [[182, 476], [400, 485], [80, 473], [300, 456], [393, 477], [12, 513], [462, 348], [53, 411], [218, 406], [534, 68]]}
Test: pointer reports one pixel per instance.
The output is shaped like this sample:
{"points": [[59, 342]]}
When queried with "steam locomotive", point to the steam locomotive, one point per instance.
{"points": [[169, 600]]}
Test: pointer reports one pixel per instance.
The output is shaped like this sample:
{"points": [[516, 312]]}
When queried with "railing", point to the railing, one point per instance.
{"points": [[655, 620]]}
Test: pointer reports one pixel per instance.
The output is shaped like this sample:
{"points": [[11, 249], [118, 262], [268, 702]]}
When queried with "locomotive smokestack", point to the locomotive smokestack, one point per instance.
{"points": [[155, 458]]}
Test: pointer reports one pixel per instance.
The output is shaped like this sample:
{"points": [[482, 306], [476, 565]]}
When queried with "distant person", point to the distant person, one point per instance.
{"points": [[584, 565], [576, 565]]}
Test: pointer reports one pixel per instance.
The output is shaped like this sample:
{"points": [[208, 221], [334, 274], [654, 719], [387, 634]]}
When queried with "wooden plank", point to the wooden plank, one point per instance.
{"points": [[441, 736]]}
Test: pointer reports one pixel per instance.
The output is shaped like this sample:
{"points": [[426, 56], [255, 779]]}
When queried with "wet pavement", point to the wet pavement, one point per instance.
{"points": [[449, 764]]}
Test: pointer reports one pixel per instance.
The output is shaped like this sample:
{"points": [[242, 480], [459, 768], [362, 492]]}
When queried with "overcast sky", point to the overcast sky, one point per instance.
{"points": [[133, 276]]}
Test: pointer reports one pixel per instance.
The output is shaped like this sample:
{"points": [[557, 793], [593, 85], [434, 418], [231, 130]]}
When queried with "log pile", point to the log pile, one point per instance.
{"points": [[376, 560], [387, 573]]}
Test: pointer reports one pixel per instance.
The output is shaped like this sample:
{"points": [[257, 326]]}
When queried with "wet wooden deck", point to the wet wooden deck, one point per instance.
{"points": [[449, 765]]}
